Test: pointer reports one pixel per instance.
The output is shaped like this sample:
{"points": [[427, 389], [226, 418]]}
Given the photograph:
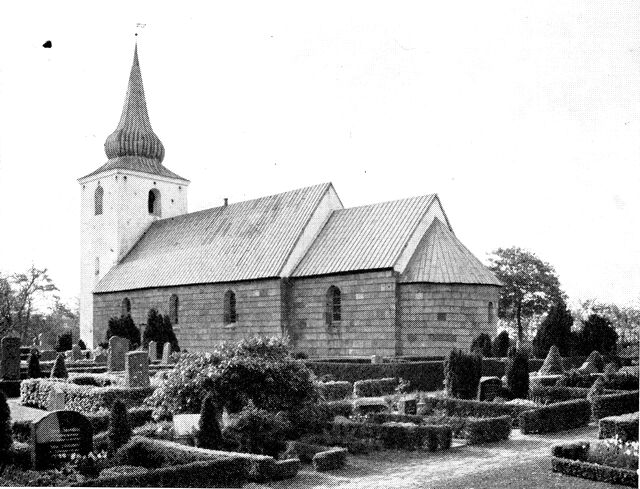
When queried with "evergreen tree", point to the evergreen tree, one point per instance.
{"points": [[209, 434], [119, 428], [599, 335], [153, 331], [5, 427], [482, 345], [500, 345], [462, 373], [33, 364], [82, 345], [553, 363], [59, 370], [125, 328], [517, 373], [168, 335], [555, 329], [65, 342]]}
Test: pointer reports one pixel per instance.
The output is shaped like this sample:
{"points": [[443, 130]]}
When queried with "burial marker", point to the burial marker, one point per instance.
{"points": [[166, 352], [137, 369], [407, 406], [153, 351], [118, 347], [55, 402], [58, 436], [488, 388], [10, 358]]}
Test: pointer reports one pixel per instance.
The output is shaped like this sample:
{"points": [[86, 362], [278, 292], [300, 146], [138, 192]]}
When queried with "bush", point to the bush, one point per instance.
{"points": [[138, 416], [160, 330], [335, 391], [257, 431], [82, 345], [555, 329], [555, 417], [314, 417], [119, 427], [473, 408], [332, 459], [340, 408], [593, 364], [517, 374], [598, 334], [614, 404], [33, 364], [553, 363], [625, 381], [209, 434], [549, 395], [574, 378], [500, 345], [6, 439], [481, 344], [487, 430], [64, 342], [375, 387], [59, 370], [625, 427], [462, 374], [125, 328]]}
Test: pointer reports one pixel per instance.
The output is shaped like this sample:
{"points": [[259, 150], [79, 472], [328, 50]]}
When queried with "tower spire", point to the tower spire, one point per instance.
{"points": [[133, 135]]}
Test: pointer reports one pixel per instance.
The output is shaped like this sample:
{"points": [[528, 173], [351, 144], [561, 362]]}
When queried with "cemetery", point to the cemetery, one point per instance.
{"points": [[249, 413]]}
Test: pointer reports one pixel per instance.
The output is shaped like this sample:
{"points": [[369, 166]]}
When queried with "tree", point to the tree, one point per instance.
{"points": [[501, 345], [209, 434], [5, 426], [531, 286], [160, 330], [33, 364], [59, 370], [624, 319], [554, 330], [168, 335], [119, 428], [482, 345], [125, 328], [65, 342], [517, 374], [82, 345], [598, 334], [462, 373]]}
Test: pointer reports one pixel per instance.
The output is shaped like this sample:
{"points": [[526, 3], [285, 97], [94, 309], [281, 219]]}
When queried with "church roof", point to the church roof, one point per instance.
{"points": [[442, 258], [364, 238], [241, 241]]}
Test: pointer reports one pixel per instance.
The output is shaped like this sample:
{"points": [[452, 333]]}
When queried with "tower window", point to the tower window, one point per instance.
{"points": [[490, 313], [334, 305], [230, 315], [126, 307], [173, 308], [153, 203], [98, 196]]}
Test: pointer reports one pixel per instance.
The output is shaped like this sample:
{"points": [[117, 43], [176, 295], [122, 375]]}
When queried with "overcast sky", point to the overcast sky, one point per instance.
{"points": [[523, 116]]}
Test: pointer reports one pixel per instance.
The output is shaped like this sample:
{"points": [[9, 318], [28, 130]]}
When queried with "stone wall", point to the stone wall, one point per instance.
{"points": [[368, 315], [435, 318]]}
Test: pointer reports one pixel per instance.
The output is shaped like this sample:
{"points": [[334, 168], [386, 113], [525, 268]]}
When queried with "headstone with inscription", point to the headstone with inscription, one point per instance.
{"points": [[137, 369], [166, 352], [407, 406], [153, 351], [47, 341], [76, 353], [58, 436], [488, 388], [118, 347], [10, 358]]}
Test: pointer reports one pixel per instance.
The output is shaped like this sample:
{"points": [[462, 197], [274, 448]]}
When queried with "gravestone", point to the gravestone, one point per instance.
{"points": [[488, 388], [59, 435], [100, 358], [376, 359], [422, 408], [76, 353], [10, 358], [153, 351], [48, 355], [55, 402], [407, 406], [166, 352], [118, 347], [47, 341], [137, 369]]}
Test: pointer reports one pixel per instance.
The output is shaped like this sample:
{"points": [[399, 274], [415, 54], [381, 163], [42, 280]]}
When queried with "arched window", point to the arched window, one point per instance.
{"points": [[334, 305], [153, 203], [126, 307], [98, 196], [173, 308], [490, 313], [230, 315]]}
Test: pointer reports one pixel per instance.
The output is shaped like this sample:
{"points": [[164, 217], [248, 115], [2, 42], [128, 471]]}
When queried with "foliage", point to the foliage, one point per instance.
{"points": [[209, 434], [462, 374], [624, 319], [531, 285], [375, 387], [487, 430], [125, 328], [614, 404], [332, 459], [335, 390], [119, 427], [614, 452], [555, 329], [59, 370], [624, 426], [598, 334], [5, 426], [555, 417], [593, 364], [482, 344], [160, 330], [574, 378], [553, 363], [517, 374], [500, 345], [82, 345], [33, 364], [65, 342]]}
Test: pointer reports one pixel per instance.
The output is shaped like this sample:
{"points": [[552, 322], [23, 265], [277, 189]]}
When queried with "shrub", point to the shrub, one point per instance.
{"points": [[64, 342], [138, 416], [614, 404], [517, 374], [82, 345], [555, 417], [621, 381], [593, 364], [553, 363], [33, 364], [481, 344], [473, 408], [500, 345], [375, 387], [598, 334], [314, 417], [596, 389], [335, 391], [59, 370], [209, 434], [332, 459], [487, 430], [160, 330], [340, 408], [549, 395], [125, 328], [555, 329], [6, 439], [119, 427], [625, 427], [574, 378], [462, 374], [614, 453]]}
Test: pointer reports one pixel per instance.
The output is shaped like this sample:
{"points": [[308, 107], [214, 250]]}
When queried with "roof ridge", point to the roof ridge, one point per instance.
{"points": [[373, 204]]}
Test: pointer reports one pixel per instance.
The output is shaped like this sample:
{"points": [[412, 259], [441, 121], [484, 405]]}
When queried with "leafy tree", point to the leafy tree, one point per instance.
{"points": [[554, 330], [65, 342], [5, 426], [531, 285], [598, 334], [209, 434], [517, 374], [482, 344], [59, 370], [119, 428], [33, 364], [500, 345], [462, 373]]}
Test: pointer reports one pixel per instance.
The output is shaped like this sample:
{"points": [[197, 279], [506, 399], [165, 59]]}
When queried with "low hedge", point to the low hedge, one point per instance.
{"points": [[375, 387], [336, 390], [340, 408], [555, 417], [549, 395], [487, 430], [472, 408], [568, 460], [614, 404], [624, 426], [332, 459], [624, 381]]}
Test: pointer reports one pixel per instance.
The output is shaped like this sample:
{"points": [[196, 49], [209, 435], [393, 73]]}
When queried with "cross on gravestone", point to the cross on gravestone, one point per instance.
{"points": [[76, 353], [488, 388], [47, 341], [118, 347], [57, 436], [55, 402], [166, 352], [137, 369], [10, 358], [153, 351]]}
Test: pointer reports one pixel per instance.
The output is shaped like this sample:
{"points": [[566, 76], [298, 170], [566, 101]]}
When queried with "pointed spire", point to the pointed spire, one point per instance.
{"points": [[134, 135]]}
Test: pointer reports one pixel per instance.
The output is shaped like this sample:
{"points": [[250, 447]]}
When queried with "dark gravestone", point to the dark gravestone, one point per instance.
{"points": [[118, 347], [407, 406], [137, 369], [59, 435], [10, 358], [488, 388]]}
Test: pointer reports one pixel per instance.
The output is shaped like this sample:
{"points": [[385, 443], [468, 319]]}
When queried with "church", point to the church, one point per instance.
{"points": [[389, 278]]}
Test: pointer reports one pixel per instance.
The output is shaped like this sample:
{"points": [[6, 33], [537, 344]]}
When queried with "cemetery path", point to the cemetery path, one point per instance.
{"points": [[522, 461], [24, 413]]}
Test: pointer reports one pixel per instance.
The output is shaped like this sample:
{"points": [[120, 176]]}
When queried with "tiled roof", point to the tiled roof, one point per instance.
{"points": [[241, 241], [364, 238], [136, 163], [442, 258]]}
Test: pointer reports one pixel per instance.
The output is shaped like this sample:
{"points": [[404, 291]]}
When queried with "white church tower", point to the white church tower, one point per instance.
{"points": [[121, 199]]}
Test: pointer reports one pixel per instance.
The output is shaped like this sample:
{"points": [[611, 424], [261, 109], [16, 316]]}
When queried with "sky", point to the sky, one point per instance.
{"points": [[522, 116]]}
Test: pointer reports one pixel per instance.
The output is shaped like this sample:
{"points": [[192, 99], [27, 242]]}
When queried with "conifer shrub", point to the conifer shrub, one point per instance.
{"points": [[462, 373], [33, 364], [82, 345], [482, 345], [125, 328], [500, 346], [517, 374], [6, 439], [59, 370], [598, 334], [209, 434], [555, 329], [119, 431], [160, 330], [597, 389], [593, 364], [553, 363], [610, 369]]}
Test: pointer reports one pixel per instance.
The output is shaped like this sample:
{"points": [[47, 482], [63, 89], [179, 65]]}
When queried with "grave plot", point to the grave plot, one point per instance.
{"points": [[58, 436]]}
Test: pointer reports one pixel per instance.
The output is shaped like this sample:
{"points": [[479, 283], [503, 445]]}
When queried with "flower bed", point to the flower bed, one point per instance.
{"points": [[581, 460], [624, 427], [555, 417], [336, 390], [614, 404]]}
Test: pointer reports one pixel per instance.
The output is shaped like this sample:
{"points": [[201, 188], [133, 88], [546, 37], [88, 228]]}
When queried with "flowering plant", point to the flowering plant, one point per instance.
{"points": [[615, 453]]}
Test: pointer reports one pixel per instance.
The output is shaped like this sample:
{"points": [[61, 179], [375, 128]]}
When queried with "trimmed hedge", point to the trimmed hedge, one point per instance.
{"points": [[624, 426], [375, 387], [340, 408], [548, 395], [614, 404], [332, 459], [555, 417], [138, 416], [473, 408], [336, 390], [487, 430], [568, 460]]}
